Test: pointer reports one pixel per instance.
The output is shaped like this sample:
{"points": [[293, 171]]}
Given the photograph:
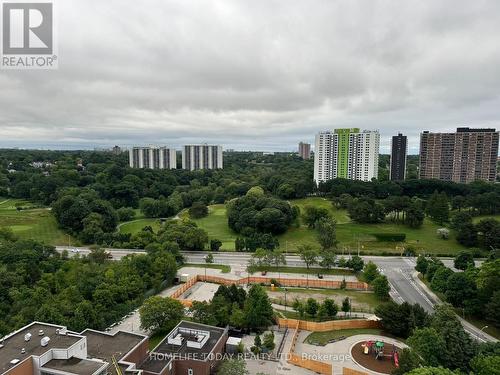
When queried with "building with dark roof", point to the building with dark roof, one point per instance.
{"points": [[399, 151], [189, 349], [48, 349]]}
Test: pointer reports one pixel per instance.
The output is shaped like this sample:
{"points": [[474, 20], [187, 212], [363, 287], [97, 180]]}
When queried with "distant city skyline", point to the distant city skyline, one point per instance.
{"points": [[256, 75], [413, 145]]}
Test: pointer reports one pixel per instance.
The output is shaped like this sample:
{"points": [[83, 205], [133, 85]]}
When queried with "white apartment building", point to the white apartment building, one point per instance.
{"points": [[153, 157], [195, 157], [346, 153]]}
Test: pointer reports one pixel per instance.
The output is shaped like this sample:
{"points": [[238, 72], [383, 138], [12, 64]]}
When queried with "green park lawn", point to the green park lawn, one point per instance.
{"points": [[223, 267], [136, 225], [348, 233], [36, 223], [322, 338], [216, 226], [340, 216]]}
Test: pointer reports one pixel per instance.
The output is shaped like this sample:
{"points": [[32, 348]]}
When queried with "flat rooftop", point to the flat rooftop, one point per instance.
{"points": [[14, 343], [74, 366], [104, 345], [165, 352]]}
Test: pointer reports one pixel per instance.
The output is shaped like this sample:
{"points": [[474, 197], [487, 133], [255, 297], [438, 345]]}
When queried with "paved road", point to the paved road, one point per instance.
{"points": [[400, 272]]}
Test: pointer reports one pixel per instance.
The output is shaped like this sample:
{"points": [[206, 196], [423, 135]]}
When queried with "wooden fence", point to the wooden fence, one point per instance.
{"points": [[295, 324], [314, 365], [331, 325], [327, 284], [184, 287], [264, 280], [350, 371], [309, 364]]}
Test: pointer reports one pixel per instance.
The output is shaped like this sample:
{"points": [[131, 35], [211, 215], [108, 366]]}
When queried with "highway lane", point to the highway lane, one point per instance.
{"points": [[400, 272]]}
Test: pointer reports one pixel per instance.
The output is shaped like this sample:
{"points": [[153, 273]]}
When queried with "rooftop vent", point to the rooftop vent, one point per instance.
{"points": [[40, 332], [15, 361], [27, 337], [45, 341], [23, 351]]}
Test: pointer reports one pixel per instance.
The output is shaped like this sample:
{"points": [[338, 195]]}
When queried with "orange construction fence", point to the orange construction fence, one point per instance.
{"points": [[330, 284], [350, 371], [309, 364], [330, 325]]}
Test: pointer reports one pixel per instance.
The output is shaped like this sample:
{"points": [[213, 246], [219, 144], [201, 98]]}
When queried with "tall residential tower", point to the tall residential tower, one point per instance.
{"points": [[464, 156], [346, 153], [304, 150], [152, 157], [195, 157], [399, 150]]}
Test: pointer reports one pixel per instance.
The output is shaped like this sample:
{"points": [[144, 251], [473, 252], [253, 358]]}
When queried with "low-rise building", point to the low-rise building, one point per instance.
{"points": [[189, 349], [48, 349]]}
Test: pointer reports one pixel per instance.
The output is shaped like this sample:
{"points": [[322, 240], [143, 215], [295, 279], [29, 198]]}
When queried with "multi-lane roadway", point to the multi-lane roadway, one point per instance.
{"points": [[400, 272]]}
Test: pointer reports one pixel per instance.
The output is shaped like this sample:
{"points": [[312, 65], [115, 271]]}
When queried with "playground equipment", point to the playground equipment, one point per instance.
{"points": [[376, 348], [395, 358]]}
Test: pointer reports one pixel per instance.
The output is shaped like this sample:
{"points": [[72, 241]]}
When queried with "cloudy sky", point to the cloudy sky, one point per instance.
{"points": [[256, 74]]}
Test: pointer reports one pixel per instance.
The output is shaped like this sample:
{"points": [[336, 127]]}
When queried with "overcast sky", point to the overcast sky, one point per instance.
{"points": [[259, 75]]}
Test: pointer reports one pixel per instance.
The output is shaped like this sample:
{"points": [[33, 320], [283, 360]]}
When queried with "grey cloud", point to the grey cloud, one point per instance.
{"points": [[256, 75]]}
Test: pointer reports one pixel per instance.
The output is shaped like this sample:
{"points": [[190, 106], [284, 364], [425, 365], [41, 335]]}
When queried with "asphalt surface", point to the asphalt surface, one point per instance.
{"points": [[400, 272]]}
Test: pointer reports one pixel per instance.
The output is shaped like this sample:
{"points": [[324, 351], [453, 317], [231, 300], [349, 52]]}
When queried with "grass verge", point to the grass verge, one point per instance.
{"points": [[311, 271], [223, 267]]}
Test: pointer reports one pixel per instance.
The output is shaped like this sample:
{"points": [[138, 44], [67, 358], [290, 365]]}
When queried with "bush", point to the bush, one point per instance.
{"points": [[443, 233], [390, 237], [268, 341], [198, 210], [125, 213]]}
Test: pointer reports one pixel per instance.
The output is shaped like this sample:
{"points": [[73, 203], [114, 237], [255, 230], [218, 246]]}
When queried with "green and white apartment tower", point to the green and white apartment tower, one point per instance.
{"points": [[346, 153]]}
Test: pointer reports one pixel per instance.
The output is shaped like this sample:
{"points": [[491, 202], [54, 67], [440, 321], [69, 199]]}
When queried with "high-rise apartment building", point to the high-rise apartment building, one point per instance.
{"points": [[152, 157], [464, 156], [399, 150], [346, 153], [196, 157], [304, 150]]}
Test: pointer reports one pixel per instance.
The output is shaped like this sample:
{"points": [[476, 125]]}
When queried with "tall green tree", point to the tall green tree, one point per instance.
{"points": [[326, 232], [160, 314], [438, 208], [258, 310], [428, 344]]}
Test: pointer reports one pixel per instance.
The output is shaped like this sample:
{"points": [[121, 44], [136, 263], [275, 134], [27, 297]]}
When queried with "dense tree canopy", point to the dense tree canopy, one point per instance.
{"points": [[255, 213], [80, 292]]}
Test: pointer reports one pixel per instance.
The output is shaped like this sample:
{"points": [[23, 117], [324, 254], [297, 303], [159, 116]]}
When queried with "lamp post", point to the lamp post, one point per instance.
{"points": [[483, 328]]}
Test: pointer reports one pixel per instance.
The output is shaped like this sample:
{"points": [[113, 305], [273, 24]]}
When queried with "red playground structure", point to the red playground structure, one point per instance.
{"points": [[376, 348]]}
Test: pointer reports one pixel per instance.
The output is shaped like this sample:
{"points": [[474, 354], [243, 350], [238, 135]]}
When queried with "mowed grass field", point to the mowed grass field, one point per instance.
{"points": [[216, 225], [350, 235], [38, 224], [136, 225]]}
